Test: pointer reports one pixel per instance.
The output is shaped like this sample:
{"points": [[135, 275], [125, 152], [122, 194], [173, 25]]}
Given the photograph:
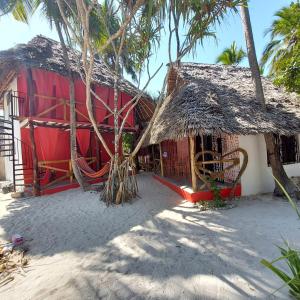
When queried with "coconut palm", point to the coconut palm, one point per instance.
{"points": [[272, 148], [20, 9], [283, 51], [231, 55]]}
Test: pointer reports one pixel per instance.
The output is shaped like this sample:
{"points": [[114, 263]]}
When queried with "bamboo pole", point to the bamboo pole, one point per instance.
{"points": [[192, 158], [161, 161]]}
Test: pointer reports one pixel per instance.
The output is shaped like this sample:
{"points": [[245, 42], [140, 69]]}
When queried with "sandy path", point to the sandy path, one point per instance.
{"points": [[159, 247]]}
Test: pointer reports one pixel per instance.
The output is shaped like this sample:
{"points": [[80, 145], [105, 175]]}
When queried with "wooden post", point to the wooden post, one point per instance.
{"points": [[192, 159], [36, 183], [202, 149], [65, 109], [161, 161], [98, 154], [35, 163], [70, 171]]}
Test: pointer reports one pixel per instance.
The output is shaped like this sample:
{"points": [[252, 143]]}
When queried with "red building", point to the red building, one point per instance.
{"points": [[34, 94]]}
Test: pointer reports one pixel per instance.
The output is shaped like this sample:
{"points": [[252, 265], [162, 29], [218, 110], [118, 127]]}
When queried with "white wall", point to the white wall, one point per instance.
{"points": [[257, 177]]}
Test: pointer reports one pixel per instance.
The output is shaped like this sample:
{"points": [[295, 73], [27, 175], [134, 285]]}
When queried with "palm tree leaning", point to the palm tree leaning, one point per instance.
{"points": [[231, 55], [272, 148]]}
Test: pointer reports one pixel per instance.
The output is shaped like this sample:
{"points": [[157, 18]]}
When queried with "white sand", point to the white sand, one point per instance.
{"points": [[159, 247]]}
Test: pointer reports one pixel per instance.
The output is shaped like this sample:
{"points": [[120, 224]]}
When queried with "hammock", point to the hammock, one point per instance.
{"points": [[88, 171]]}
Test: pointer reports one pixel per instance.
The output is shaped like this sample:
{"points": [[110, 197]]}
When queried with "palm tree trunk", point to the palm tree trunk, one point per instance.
{"points": [[272, 148], [83, 184]]}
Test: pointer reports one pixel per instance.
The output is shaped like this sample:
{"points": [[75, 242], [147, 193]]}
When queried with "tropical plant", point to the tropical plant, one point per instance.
{"points": [[282, 53], [231, 55], [20, 9], [291, 257], [289, 198], [272, 148], [127, 142]]}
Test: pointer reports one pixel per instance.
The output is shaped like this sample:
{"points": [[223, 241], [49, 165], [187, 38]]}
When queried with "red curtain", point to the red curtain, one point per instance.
{"points": [[83, 139], [51, 84], [100, 110], [130, 120], [51, 144], [80, 97]]}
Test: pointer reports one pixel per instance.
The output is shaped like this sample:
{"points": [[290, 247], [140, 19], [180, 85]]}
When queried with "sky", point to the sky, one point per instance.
{"points": [[261, 12]]}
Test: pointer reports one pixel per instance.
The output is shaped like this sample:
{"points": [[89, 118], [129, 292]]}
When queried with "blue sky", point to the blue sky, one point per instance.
{"points": [[261, 11]]}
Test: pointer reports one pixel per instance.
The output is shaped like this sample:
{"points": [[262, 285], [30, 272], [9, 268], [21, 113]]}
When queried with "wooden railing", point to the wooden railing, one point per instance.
{"points": [[68, 171]]}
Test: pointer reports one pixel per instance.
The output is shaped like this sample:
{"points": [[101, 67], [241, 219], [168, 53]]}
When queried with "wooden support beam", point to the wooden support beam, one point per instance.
{"points": [[192, 159], [161, 161], [36, 182], [31, 92]]}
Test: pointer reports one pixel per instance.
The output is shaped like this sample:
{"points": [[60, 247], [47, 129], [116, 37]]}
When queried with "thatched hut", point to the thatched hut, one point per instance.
{"points": [[211, 123], [35, 98]]}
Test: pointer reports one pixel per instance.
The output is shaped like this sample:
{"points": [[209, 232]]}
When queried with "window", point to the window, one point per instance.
{"points": [[289, 149]]}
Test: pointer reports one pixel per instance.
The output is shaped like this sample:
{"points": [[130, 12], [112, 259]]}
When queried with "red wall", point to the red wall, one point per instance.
{"points": [[53, 143], [51, 84]]}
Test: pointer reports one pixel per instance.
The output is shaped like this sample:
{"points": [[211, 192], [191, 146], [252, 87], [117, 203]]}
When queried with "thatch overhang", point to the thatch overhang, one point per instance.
{"points": [[217, 98], [47, 54]]}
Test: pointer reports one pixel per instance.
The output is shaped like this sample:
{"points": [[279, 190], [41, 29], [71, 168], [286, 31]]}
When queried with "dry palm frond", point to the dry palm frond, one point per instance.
{"points": [[11, 262]]}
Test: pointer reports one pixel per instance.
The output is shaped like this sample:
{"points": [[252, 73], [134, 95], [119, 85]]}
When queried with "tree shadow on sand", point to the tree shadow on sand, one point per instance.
{"points": [[157, 247]]}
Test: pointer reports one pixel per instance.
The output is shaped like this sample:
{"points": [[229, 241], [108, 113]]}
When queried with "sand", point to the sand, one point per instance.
{"points": [[159, 247]]}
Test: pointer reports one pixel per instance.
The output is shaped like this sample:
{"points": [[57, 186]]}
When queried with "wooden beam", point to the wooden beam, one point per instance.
{"points": [[36, 182], [161, 161], [192, 159]]}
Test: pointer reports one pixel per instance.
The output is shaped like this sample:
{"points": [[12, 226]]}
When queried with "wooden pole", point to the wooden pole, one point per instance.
{"points": [[36, 183], [70, 171], [202, 149], [161, 161], [98, 154], [35, 163], [192, 158]]}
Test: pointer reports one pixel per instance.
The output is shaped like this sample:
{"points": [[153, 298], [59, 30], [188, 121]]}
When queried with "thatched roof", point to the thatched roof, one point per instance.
{"points": [[47, 54], [216, 98]]}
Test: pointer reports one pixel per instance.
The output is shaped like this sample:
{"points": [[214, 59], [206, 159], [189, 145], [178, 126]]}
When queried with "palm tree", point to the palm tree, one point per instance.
{"points": [[272, 148], [20, 9], [283, 51], [231, 55]]}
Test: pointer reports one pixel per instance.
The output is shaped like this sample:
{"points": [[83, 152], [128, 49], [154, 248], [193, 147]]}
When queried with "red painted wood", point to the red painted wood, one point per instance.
{"points": [[66, 187], [197, 196]]}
